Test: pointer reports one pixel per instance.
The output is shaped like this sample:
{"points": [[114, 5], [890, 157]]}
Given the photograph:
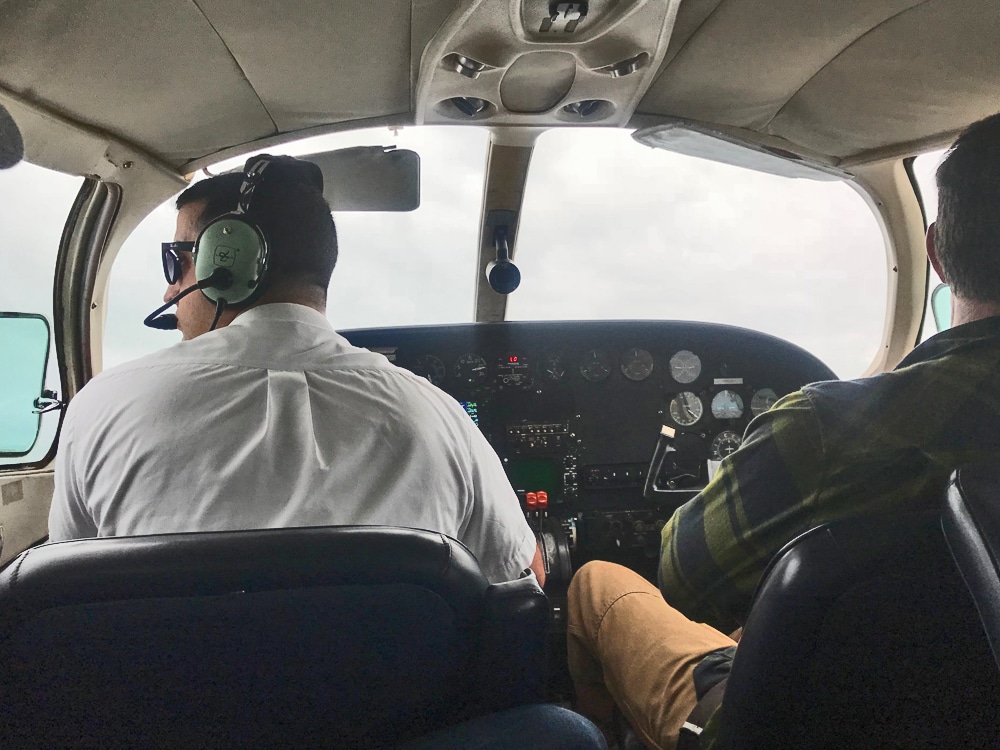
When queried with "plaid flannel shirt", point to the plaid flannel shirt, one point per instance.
{"points": [[834, 450]]}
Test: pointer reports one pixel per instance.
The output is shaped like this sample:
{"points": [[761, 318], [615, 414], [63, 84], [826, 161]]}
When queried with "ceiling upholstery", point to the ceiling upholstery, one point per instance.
{"points": [[183, 79]]}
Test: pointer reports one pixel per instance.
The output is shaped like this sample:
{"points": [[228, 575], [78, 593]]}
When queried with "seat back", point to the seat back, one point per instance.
{"points": [[347, 636], [971, 524], [862, 635]]}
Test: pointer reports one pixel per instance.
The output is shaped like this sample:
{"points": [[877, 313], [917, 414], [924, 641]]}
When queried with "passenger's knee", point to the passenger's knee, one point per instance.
{"points": [[595, 574]]}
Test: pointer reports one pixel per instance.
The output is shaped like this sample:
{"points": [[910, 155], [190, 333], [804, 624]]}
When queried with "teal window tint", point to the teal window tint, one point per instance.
{"points": [[941, 306], [24, 340], [34, 204]]}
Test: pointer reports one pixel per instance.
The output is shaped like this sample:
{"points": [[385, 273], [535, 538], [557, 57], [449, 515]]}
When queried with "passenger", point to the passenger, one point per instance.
{"points": [[830, 451], [274, 420]]}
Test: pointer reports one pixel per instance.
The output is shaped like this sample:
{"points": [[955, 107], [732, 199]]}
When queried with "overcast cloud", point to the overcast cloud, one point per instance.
{"points": [[610, 229]]}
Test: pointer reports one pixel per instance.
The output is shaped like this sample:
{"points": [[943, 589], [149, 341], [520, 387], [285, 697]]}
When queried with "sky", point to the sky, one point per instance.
{"points": [[610, 229]]}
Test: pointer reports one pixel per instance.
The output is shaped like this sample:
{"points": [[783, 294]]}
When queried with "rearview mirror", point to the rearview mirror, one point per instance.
{"points": [[370, 178], [24, 341], [941, 306]]}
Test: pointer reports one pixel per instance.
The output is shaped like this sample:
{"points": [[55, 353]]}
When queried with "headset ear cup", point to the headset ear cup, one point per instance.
{"points": [[238, 247]]}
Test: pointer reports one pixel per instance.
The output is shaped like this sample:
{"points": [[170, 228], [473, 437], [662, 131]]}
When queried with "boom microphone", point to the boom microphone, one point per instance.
{"points": [[220, 279]]}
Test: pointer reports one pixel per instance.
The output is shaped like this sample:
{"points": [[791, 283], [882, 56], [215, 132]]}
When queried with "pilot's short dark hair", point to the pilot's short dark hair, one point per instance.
{"points": [[967, 230], [289, 207]]}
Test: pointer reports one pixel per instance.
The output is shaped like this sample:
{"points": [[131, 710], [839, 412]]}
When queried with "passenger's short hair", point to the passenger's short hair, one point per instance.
{"points": [[289, 207], [967, 230]]}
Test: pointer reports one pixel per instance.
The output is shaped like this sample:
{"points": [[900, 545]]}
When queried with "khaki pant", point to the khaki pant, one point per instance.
{"points": [[627, 646]]}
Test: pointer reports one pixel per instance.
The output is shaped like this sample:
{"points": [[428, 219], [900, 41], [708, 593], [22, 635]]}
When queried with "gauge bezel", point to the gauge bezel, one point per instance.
{"points": [[674, 366], [466, 359], [637, 355], [729, 435], [595, 357], [756, 411], [738, 398], [697, 400]]}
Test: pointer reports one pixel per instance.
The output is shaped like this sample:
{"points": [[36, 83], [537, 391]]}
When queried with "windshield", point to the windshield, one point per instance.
{"points": [[609, 229], [410, 268], [614, 229]]}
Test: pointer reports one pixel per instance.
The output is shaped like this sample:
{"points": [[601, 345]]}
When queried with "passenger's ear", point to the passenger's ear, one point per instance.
{"points": [[932, 251]]}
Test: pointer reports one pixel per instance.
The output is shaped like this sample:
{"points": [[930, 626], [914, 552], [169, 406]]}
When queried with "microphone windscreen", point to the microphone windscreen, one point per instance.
{"points": [[11, 143], [166, 322]]}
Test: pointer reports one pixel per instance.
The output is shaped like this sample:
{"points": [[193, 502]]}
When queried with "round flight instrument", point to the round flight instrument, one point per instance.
{"points": [[685, 366], [686, 409], [637, 364], [552, 367], [470, 369], [727, 404], [430, 367], [762, 400], [725, 443], [513, 371], [595, 365]]}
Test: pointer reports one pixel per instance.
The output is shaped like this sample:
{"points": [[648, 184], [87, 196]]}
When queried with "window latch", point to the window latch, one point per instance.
{"points": [[48, 401]]}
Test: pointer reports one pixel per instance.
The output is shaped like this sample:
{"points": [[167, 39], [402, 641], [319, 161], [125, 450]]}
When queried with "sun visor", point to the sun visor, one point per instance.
{"points": [[370, 178], [705, 142], [11, 142]]}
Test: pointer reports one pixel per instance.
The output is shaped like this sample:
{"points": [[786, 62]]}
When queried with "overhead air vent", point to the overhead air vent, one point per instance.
{"points": [[465, 66], [626, 67], [587, 109], [465, 108]]}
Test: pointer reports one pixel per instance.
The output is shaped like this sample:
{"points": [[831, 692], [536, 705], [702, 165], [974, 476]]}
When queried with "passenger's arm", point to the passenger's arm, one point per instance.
{"points": [[538, 565], [715, 547]]}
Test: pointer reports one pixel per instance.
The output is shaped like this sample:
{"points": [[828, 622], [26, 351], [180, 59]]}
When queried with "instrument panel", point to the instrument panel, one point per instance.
{"points": [[574, 410]]}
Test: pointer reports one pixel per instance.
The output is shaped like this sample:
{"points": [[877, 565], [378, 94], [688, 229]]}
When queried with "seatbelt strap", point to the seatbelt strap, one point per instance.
{"points": [[690, 737]]}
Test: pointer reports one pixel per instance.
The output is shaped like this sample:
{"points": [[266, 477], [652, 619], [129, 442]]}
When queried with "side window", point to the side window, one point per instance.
{"points": [[924, 167], [34, 204]]}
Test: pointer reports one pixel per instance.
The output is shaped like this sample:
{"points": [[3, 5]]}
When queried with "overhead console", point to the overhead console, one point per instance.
{"points": [[574, 411], [543, 62]]}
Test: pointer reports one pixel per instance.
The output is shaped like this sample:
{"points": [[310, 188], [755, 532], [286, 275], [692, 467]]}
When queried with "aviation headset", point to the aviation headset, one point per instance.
{"points": [[231, 252], [231, 255]]}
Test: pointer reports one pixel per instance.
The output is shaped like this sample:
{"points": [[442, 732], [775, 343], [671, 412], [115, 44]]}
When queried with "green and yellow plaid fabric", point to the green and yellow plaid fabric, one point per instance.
{"points": [[834, 450]]}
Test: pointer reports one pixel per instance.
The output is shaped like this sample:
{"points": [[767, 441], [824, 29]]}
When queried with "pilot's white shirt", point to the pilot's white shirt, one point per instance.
{"points": [[277, 421]]}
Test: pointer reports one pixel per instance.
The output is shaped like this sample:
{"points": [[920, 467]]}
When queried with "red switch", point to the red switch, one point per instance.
{"points": [[543, 499], [531, 500]]}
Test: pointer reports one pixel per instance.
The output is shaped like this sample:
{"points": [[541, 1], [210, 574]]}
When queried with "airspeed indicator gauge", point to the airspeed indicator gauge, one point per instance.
{"points": [[686, 409], [725, 444], [637, 364], [727, 404], [762, 400], [685, 366], [595, 366]]}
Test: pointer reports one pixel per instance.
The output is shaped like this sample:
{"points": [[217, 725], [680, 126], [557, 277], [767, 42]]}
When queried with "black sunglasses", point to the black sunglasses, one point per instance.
{"points": [[170, 252]]}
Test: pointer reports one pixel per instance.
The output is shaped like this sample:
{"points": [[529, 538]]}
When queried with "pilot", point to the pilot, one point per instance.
{"points": [[833, 450], [263, 416]]}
